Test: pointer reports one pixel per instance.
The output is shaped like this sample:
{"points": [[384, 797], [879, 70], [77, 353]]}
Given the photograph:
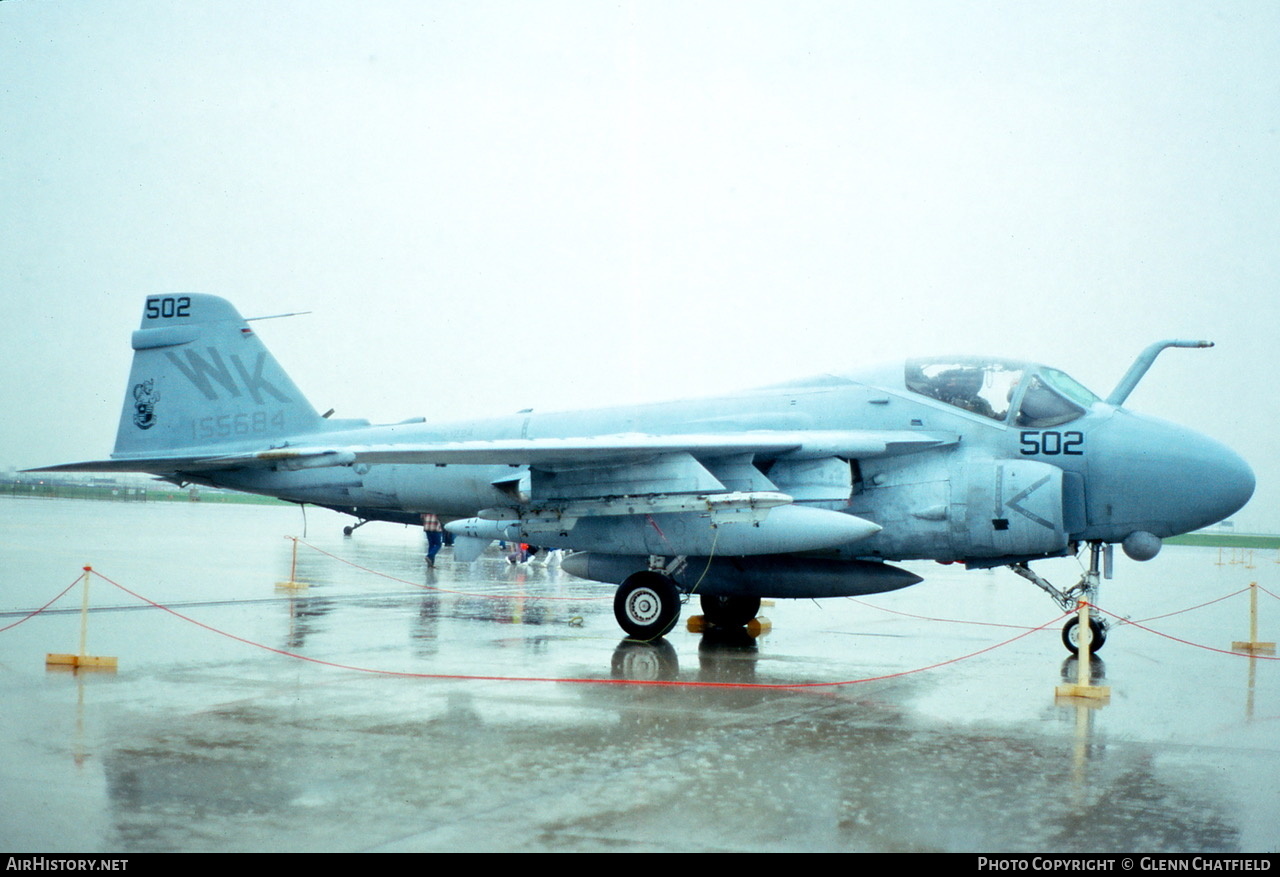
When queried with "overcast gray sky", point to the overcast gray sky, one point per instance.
{"points": [[496, 205]]}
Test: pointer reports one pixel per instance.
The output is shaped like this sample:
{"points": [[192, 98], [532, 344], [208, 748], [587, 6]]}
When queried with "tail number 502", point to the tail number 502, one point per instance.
{"points": [[167, 307], [1051, 443]]}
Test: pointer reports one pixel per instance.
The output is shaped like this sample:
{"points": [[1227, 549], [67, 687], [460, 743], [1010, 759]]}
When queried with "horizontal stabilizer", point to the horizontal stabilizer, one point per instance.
{"points": [[153, 465]]}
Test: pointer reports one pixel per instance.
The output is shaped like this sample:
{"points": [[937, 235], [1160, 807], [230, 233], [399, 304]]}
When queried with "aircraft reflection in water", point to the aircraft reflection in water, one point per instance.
{"points": [[801, 490]]}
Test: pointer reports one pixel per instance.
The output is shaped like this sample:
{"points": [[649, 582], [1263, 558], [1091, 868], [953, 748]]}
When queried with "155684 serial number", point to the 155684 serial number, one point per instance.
{"points": [[243, 423]]}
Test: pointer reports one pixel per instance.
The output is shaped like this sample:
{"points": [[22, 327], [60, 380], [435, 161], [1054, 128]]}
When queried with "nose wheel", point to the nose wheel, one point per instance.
{"points": [[1085, 589], [1071, 635]]}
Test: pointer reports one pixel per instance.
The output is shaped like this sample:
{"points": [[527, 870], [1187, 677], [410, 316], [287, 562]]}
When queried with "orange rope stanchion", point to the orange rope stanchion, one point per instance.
{"points": [[1253, 645], [1083, 687], [293, 569], [82, 659]]}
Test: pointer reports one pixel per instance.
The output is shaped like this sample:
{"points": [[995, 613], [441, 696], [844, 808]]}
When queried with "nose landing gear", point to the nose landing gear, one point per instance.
{"points": [[1086, 589]]}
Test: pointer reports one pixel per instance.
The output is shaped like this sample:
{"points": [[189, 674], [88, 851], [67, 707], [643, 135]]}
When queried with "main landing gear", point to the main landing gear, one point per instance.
{"points": [[647, 604], [1085, 589]]}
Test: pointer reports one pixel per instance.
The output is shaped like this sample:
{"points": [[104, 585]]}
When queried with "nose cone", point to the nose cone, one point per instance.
{"points": [[1220, 482], [1163, 478], [1230, 484]]}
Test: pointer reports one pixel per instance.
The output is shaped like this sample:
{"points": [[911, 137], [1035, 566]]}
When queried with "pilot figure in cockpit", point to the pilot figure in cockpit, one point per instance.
{"points": [[960, 386]]}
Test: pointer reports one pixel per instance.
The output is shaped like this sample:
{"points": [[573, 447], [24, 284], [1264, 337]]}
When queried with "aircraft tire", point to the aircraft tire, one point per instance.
{"points": [[647, 605], [730, 612], [645, 662], [1071, 636]]}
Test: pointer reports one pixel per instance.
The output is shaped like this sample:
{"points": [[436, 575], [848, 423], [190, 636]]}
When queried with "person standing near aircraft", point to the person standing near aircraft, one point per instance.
{"points": [[435, 537]]}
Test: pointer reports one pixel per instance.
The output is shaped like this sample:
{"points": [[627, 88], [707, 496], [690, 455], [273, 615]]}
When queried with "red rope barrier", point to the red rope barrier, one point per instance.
{"points": [[941, 620], [36, 612], [1244, 590], [1187, 642], [574, 680], [670, 683]]}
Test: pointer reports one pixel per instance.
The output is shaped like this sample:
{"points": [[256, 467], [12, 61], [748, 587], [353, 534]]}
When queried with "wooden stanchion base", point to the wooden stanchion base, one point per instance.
{"points": [[1095, 693], [88, 662], [757, 626]]}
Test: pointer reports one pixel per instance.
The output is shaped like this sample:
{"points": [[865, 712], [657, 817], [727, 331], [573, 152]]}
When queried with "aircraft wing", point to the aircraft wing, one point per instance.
{"points": [[552, 453], [592, 451]]}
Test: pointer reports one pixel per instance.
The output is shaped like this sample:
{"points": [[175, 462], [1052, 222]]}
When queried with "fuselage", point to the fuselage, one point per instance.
{"points": [[1037, 462], [802, 490]]}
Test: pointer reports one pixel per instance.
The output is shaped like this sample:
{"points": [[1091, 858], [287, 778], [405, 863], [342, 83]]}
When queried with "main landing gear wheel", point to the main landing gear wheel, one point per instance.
{"points": [[1071, 635], [647, 605], [730, 612], [645, 662]]}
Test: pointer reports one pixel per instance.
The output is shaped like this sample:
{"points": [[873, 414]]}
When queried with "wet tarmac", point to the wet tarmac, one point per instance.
{"points": [[389, 707]]}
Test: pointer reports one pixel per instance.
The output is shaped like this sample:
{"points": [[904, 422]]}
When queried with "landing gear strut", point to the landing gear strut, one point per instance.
{"points": [[1085, 589], [351, 528]]}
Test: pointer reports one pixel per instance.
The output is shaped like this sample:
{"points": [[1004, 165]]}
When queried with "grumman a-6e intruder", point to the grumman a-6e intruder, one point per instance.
{"points": [[803, 489]]}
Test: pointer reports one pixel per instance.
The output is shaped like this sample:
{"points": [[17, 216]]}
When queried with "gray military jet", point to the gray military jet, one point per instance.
{"points": [[803, 489]]}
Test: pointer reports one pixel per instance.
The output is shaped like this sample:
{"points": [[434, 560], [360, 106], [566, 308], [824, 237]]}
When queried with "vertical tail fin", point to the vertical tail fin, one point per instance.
{"points": [[201, 378]]}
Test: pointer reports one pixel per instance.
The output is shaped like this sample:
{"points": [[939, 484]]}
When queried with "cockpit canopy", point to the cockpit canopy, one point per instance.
{"points": [[1041, 396]]}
